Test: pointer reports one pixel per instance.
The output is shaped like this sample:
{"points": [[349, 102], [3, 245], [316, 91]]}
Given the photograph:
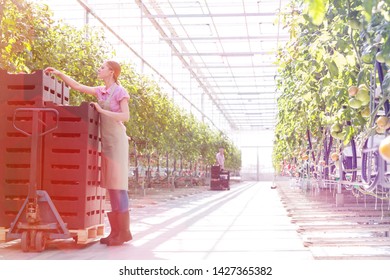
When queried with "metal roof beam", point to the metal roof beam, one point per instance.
{"points": [[230, 84], [222, 38], [230, 54], [232, 15], [238, 77], [234, 66], [255, 121], [243, 107], [252, 101], [245, 93], [162, 33]]}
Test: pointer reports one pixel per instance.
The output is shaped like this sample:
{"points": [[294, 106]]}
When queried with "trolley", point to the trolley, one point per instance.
{"points": [[219, 178]]}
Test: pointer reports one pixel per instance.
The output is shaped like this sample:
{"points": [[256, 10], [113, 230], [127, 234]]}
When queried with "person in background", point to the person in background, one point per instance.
{"points": [[114, 110], [221, 158]]}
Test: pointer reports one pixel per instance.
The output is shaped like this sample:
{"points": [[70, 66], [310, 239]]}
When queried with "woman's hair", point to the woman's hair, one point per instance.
{"points": [[114, 66]]}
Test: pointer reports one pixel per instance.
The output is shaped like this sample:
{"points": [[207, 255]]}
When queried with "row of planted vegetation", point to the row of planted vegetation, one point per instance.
{"points": [[163, 134], [324, 78]]}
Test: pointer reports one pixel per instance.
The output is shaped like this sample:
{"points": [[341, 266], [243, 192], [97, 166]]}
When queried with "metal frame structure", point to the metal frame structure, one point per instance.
{"points": [[215, 58]]}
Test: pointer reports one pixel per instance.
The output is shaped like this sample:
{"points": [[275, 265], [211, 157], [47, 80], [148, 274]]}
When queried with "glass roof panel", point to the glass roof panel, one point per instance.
{"points": [[221, 52]]}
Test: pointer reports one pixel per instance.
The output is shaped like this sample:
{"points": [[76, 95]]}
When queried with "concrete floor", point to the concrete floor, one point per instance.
{"points": [[247, 222], [247, 226]]}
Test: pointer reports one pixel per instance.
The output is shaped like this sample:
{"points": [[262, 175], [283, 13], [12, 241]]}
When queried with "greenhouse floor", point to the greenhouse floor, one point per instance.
{"points": [[251, 221], [248, 222]]}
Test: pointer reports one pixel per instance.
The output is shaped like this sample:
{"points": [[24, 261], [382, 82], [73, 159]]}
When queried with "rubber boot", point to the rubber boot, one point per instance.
{"points": [[124, 233], [113, 219]]}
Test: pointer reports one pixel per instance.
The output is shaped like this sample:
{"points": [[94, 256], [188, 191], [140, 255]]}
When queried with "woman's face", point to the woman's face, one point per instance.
{"points": [[105, 72]]}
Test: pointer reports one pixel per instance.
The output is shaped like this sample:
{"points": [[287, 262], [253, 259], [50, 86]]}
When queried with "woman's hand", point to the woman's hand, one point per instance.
{"points": [[98, 107], [71, 82], [51, 70]]}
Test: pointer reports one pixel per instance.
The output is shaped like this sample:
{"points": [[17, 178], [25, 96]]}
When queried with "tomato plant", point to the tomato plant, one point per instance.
{"points": [[332, 49], [30, 39]]}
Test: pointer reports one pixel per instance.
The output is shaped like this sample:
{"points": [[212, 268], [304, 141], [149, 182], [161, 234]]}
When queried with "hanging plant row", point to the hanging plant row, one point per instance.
{"points": [[324, 78]]}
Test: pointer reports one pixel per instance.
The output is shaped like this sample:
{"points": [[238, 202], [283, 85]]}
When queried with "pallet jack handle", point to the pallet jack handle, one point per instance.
{"points": [[31, 211], [35, 120]]}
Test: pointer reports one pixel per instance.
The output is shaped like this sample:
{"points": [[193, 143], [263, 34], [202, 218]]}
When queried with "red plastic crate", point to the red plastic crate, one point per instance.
{"points": [[83, 119], [58, 92], [65, 94], [37, 87], [69, 156], [71, 166], [70, 172]]}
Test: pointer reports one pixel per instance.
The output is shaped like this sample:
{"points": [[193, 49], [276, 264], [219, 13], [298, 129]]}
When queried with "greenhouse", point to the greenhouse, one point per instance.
{"points": [[271, 115]]}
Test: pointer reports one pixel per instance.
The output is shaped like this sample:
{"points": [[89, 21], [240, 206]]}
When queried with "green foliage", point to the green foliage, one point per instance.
{"points": [[317, 10], [333, 46], [21, 24], [31, 39], [34, 41]]}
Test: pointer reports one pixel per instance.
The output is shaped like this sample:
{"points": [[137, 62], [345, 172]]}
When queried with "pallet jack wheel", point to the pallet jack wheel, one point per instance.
{"points": [[25, 241], [40, 241], [33, 234]]}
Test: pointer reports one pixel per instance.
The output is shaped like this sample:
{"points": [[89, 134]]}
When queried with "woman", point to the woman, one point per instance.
{"points": [[114, 110]]}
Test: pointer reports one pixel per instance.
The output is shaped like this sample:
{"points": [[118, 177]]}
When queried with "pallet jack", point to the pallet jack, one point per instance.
{"points": [[38, 219]]}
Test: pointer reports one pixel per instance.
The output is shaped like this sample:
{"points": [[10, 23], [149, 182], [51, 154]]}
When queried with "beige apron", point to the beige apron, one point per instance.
{"points": [[115, 149]]}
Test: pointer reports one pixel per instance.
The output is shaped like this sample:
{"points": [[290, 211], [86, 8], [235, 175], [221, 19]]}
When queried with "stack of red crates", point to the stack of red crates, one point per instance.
{"points": [[69, 156]]}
